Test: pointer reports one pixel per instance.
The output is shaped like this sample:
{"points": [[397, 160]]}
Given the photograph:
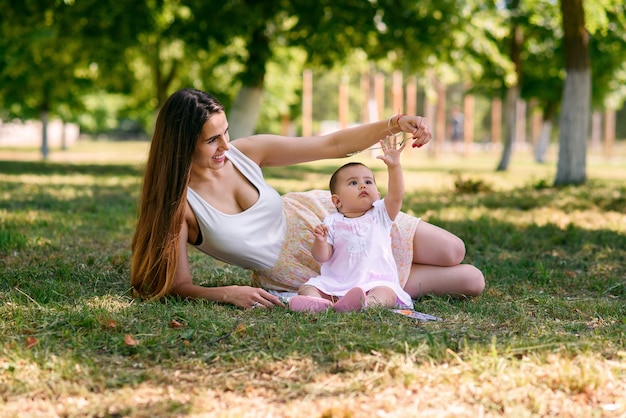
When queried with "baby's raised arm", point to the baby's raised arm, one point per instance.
{"points": [[391, 157]]}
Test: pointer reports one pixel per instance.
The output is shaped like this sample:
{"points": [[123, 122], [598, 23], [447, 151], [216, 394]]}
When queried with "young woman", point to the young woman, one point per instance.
{"points": [[201, 189]]}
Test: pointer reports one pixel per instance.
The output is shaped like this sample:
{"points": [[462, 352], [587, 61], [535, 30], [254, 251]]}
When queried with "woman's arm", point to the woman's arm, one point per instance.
{"points": [[275, 150], [242, 296]]}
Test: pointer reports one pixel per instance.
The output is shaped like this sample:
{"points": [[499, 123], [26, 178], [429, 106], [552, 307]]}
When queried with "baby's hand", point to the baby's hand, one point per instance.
{"points": [[320, 232], [391, 152]]}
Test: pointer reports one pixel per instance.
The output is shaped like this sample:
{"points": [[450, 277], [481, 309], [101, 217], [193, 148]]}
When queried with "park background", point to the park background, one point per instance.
{"points": [[535, 187], [73, 69]]}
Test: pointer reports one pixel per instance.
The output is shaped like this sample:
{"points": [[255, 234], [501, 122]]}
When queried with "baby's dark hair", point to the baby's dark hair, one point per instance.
{"points": [[332, 185]]}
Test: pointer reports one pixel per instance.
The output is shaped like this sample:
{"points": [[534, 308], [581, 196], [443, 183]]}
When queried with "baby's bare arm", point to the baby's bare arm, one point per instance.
{"points": [[395, 189], [321, 250]]}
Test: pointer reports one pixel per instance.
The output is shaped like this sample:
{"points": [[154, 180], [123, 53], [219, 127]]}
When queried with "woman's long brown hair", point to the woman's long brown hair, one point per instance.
{"points": [[155, 245]]}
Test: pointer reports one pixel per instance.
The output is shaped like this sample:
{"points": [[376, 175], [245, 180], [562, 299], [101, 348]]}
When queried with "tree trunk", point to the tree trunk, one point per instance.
{"points": [[245, 109], [163, 77], [609, 132], [468, 124], [439, 135], [596, 131], [543, 140], [344, 101], [411, 96], [379, 95], [513, 93], [307, 103], [510, 111], [496, 121], [63, 136], [45, 150], [573, 128], [397, 93], [365, 93], [575, 112]]}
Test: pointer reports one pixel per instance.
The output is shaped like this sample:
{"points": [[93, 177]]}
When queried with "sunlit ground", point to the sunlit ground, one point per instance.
{"points": [[545, 339]]}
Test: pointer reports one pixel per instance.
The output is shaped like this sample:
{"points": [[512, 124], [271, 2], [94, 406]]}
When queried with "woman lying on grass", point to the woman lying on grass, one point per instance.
{"points": [[202, 189]]}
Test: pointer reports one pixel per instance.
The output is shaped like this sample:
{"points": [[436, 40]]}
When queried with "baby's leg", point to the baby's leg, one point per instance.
{"points": [[307, 290], [381, 296], [310, 299]]}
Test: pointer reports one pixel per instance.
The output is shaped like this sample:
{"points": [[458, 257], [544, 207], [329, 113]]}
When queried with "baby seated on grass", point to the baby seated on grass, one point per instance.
{"points": [[353, 245]]}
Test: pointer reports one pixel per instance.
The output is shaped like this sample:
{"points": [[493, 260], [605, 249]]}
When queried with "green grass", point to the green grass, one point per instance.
{"points": [[547, 337]]}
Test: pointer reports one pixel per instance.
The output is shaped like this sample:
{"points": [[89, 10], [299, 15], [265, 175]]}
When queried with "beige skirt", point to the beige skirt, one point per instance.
{"points": [[295, 265]]}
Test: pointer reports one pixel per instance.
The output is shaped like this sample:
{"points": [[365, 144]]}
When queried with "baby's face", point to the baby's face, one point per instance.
{"points": [[356, 190]]}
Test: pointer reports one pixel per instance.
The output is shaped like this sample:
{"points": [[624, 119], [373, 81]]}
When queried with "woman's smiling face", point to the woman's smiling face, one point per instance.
{"points": [[213, 142]]}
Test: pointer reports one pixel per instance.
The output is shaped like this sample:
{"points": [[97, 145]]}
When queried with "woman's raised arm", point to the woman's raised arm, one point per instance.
{"points": [[275, 150]]}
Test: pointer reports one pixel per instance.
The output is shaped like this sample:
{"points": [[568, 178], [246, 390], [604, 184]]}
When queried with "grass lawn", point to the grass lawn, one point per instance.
{"points": [[547, 337]]}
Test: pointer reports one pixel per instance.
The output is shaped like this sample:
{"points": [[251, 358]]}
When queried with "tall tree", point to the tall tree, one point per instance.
{"points": [[516, 40], [605, 21], [410, 34], [543, 72], [576, 102], [53, 52], [258, 29]]}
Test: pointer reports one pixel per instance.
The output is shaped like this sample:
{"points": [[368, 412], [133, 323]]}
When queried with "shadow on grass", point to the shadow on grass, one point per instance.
{"points": [[598, 196], [570, 258], [566, 261], [569, 261], [67, 296], [64, 199], [64, 169]]}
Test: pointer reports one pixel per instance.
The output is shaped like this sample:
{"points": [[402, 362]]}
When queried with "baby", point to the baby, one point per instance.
{"points": [[353, 245]]}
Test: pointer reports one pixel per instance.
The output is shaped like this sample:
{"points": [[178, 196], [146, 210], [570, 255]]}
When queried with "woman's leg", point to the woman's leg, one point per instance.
{"points": [[437, 268], [459, 281], [436, 246]]}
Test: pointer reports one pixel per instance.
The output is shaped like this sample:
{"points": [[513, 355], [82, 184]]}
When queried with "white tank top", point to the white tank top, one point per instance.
{"points": [[251, 239]]}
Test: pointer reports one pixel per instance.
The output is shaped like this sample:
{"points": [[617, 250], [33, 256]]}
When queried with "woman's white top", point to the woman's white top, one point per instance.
{"points": [[251, 239]]}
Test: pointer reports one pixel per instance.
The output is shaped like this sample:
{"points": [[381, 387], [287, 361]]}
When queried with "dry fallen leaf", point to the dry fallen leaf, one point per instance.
{"points": [[175, 324], [31, 342], [130, 341], [108, 323]]}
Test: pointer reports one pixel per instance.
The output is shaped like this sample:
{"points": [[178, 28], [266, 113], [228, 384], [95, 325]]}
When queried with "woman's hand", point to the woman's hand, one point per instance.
{"points": [[249, 297], [418, 127]]}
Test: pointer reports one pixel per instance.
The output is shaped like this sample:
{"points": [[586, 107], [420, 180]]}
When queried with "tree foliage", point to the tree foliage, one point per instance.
{"points": [[54, 53], [606, 23]]}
